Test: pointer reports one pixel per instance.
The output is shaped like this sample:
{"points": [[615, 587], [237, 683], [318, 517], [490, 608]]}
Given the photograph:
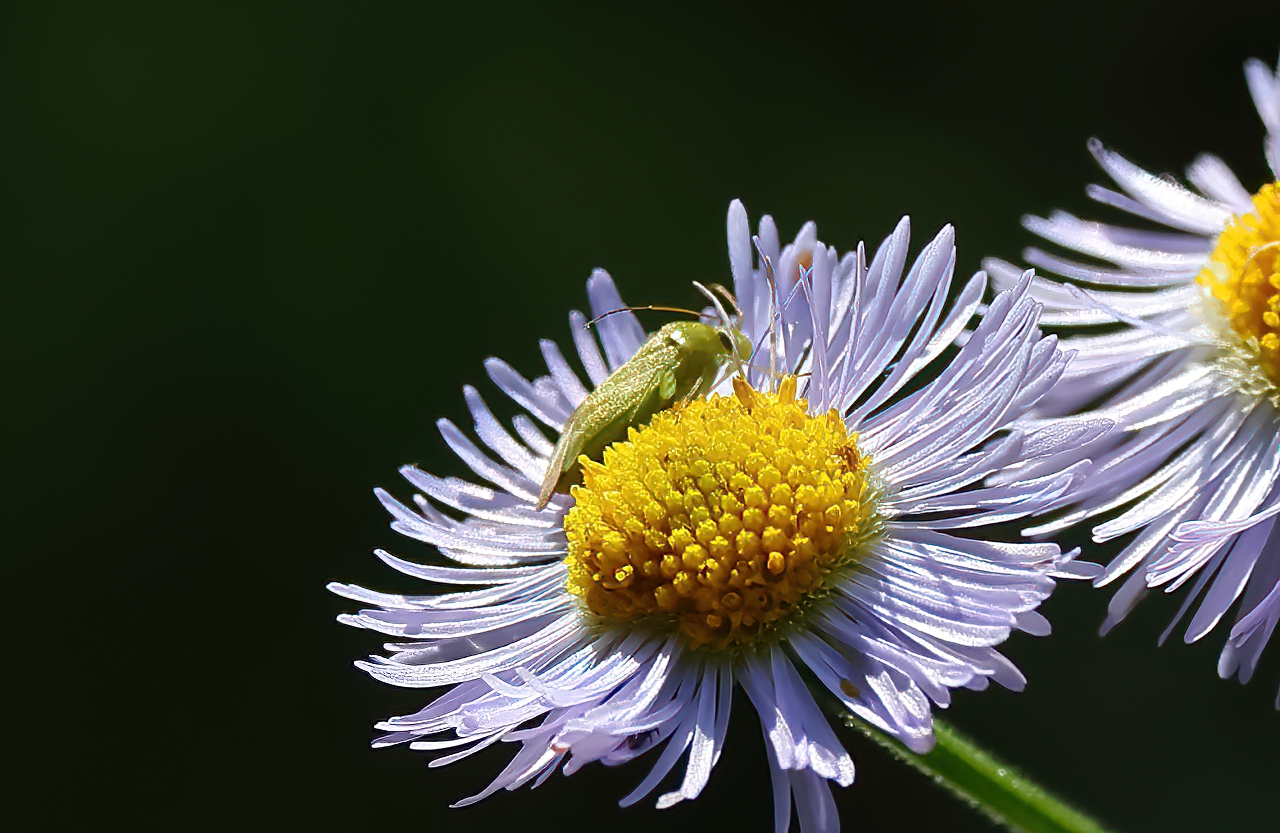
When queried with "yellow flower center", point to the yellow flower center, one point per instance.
{"points": [[1243, 273], [721, 519]]}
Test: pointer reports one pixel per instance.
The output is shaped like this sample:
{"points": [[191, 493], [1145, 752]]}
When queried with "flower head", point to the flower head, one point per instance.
{"points": [[1192, 381], [808, 514], [724, 517]]}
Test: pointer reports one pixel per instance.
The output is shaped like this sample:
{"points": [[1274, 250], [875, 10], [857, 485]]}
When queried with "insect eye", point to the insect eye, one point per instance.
{"points": [[725, 341]]}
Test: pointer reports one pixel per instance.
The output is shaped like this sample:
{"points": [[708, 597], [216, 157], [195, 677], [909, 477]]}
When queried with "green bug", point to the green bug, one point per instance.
{"points": [[678, 363]]}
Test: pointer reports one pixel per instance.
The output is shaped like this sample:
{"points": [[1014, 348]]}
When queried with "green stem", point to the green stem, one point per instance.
{"points": [[989, 785]]}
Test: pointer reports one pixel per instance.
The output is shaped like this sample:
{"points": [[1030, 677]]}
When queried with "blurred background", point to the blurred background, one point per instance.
{"points": [[251, 252]]}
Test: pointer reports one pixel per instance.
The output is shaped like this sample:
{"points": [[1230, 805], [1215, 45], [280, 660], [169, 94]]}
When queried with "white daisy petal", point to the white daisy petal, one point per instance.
{"points": [[1264, 86], [1218, 182], [574, 639], [1175, 205], [1188, 478]]}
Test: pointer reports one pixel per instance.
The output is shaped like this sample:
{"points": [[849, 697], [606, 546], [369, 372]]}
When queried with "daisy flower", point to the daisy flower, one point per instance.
{"points": [[1192, 381], [809, 520]]}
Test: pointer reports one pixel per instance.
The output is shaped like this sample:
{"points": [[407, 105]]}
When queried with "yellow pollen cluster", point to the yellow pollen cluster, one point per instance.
{"points": [[720, 518], [1243, 273]]}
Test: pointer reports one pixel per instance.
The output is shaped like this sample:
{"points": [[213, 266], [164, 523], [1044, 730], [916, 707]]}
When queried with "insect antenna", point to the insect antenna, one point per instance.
{"points": [[726, 323], [728, 296], [777, 304], [721, 313], [775, 312], [815, 347], [649, 307]]}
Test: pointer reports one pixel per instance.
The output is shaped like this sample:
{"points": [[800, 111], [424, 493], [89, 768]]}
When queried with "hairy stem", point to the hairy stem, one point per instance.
{"points": [[987, 784]]}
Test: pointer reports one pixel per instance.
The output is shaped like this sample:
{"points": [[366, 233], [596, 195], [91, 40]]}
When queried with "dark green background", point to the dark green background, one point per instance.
{"points": [[251, 253]]}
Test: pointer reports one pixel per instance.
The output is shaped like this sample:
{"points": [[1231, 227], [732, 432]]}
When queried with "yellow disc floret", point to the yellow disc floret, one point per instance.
{"points": [[722, 518], [1243, 273]]}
